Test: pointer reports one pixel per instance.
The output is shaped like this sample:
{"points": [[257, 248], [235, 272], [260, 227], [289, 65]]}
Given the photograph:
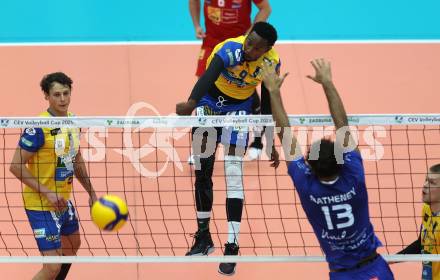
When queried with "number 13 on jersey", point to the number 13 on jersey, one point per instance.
{"points": [[344, 216]]}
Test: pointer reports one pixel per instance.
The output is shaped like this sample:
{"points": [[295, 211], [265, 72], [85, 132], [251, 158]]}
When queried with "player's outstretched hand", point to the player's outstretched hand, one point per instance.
{"points": [[185, 108], [272, 81], [323, 71]]}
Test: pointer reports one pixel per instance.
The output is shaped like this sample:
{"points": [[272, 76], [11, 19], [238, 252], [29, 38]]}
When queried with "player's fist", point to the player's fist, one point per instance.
{"points": [[185, 108], [200, 34]]}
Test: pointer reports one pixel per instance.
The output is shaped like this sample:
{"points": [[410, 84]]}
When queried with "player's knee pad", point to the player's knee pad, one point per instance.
{"points": [[234, 177]]}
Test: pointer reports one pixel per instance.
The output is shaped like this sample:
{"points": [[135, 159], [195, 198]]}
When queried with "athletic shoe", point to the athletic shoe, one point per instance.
{"points": [[228, 269], [202, 245]]}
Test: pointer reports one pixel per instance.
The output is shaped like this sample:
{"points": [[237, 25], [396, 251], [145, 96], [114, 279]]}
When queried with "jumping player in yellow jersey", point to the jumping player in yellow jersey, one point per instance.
{"points": [[45, 161], [429, 239], [226, 88]]}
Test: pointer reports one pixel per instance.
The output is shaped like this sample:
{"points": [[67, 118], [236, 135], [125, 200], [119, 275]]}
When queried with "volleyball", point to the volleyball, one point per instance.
{"points": [[109, 213]]}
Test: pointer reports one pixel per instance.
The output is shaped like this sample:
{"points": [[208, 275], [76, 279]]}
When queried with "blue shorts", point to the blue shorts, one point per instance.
{"points": [[221, 106], [375, 270], [48, 226]]}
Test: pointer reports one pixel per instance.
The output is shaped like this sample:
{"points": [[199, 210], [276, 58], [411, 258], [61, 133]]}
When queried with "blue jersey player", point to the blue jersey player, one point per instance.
{"points": [[226, 88], [330, 182]]}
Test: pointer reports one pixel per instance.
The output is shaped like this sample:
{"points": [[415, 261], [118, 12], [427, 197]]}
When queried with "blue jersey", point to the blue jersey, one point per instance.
{"points": [[338, 211]]}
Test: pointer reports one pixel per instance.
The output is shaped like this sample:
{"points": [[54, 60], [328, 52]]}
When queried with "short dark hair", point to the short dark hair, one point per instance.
{"points": [[59, 77], [435, 168], [326, 164], [265, 31]]}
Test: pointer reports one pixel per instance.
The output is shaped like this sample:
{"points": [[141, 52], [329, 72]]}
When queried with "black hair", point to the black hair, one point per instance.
{"points": [[265, 31], [435, 168], [322, 159], [59, 77]]}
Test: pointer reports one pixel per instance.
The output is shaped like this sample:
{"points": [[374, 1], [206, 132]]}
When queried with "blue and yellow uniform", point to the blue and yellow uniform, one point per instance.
{"points": [[52, 165], [240, 78], [233, 90], [430, 240]]}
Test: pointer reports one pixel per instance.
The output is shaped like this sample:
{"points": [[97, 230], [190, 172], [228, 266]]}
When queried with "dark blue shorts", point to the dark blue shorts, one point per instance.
{"points": [[375, 270], [48, 226], [222, 106]]}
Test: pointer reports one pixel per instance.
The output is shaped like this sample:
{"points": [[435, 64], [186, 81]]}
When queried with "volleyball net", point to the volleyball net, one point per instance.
{"points": [[144, 161]]}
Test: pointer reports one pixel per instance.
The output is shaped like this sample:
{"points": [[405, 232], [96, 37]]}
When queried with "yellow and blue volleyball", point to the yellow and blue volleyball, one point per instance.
{"points": [[109, 213]]}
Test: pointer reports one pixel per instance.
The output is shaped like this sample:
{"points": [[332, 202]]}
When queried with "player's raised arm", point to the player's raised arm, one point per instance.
{"points": [[273, 84], [323, 76], [264, 11], [202, 86], [194, 10]]}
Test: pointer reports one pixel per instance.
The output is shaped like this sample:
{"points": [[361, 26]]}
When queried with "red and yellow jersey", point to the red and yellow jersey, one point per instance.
{"points": [[430, 239], [240, 78], [52, 163], [226, 19]]}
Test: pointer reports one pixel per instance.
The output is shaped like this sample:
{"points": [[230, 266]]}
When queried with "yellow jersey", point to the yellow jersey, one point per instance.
{"points": [[430, 239], [52, 163], [240, 78]]}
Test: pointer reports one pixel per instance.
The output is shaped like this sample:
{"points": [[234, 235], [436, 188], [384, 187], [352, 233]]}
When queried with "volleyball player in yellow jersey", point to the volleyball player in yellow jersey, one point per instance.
{"points": [[226, 88], [429, 239], [45, 161]]}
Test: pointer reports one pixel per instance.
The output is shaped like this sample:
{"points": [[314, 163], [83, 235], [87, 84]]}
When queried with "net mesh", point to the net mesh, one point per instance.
{"points": [[144, 161]]}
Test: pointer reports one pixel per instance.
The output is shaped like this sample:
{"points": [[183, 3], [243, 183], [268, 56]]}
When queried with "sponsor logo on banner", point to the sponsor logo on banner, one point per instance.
{"points": [[321, 120], [4, 122], [109, 122], [398, 119], [128, 122], [423, 119], [353, 120], [202, 121], [160, 121]]}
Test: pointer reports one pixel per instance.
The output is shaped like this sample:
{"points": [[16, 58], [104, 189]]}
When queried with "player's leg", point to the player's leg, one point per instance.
{"points": [[204, 146], [70, 238], [204, 53], [235, 141], [45, 226], [49, 271]]}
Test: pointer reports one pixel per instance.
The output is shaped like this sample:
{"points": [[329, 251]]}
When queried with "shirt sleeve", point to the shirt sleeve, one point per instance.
{"points": [[32, 139], [231, 54], [298, 171], [353, 165], [207, 79]]}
